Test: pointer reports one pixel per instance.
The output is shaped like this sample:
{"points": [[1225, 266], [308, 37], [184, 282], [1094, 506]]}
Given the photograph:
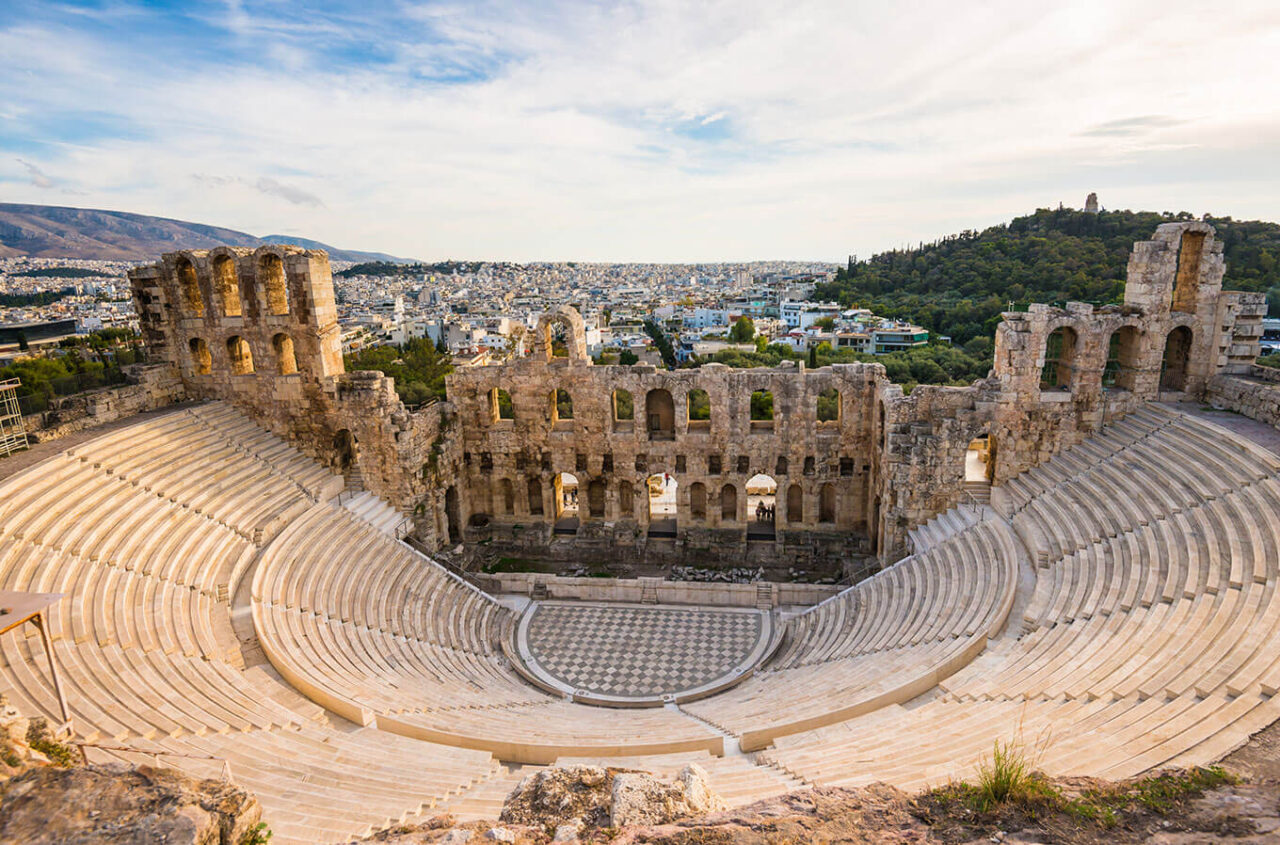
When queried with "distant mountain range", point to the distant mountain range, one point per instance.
{"points": [[50, 231]]}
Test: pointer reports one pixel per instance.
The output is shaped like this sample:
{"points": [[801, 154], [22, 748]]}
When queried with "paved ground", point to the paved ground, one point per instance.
{"points": [[643, 652], [1260, 433]]}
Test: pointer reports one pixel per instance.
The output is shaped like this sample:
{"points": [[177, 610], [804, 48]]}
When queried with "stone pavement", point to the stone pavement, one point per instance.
{"points": [[640, 652]]}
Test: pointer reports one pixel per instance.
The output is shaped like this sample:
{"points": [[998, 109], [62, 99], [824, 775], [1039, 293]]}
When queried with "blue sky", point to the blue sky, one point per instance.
{"points": [[642, 130]]}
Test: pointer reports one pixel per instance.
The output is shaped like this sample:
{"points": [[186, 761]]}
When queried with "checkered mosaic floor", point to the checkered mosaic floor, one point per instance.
{"points": [[639, 651]]}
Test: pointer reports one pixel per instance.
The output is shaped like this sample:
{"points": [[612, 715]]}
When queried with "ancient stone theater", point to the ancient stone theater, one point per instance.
{"points": [[280, 567]]}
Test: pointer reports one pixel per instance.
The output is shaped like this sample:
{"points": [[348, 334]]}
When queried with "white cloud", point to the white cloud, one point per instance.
{"points": [[580, 130]]}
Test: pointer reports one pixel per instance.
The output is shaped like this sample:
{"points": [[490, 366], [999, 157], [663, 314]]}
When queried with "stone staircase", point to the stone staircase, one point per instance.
{"points": [[979, 490], [377, 512], [483, 802], [943, 526]]}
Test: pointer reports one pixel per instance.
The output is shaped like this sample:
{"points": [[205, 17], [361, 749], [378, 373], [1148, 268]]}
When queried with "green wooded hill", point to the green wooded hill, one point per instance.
{"points": [[958, 286]]}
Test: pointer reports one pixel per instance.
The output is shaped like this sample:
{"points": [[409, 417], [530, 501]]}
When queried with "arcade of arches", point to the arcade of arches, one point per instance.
{"points": [[550, 456]]}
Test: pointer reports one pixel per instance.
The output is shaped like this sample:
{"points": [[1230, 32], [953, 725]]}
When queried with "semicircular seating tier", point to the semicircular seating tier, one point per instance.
{"points": [[375, 631], [144, 530], [1117, 611], [883, 641], [1149, 638]]}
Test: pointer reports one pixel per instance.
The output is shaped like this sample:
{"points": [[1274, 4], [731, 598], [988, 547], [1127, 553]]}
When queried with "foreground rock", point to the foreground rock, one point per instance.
{"points": [[593, 797], [117, 804], [641, 799], [1241, 814]]}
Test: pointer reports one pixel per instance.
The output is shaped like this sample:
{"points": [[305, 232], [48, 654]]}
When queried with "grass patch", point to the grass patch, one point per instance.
{"points": [[1006, 776], [1009, 794], [41, 739]]}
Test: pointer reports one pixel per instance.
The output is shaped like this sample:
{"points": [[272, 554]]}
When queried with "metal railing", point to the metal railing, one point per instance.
{"points": [[154, 755]]}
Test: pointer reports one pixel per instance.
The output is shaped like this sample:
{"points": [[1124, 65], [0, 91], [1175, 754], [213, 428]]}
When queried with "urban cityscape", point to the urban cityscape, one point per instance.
{"points": [[481, 312]]}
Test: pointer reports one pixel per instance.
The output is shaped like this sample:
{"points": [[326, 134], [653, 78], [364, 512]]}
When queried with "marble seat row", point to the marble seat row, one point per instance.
{"points": [[210, 467], [145, 647], [1147, 642], [381, 634], [961, 587]]}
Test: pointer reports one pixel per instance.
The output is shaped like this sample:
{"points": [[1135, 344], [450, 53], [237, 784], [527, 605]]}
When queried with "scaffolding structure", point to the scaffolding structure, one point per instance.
{"points": [[13, 433]]}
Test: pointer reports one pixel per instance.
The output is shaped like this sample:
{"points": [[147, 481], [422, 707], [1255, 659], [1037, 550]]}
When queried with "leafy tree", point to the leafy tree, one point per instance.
{"points": [[761, 405], [418, 368], [627, 357], [23, 345], [663, 343], [959, 285], [699, 405], [742, 331], [564, 404], [829, 405], [825, 323]]}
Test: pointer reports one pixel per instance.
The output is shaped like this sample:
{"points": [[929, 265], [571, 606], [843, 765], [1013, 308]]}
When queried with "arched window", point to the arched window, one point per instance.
{"points": [[189, 287], [500, 407], [201, 360], [829, 406], [1059, 355], [762, 410], [827, 503], [507, 496], [795, 504], [595, 497], [626, 500], [699, 410], [624, 410], [227, 285], [561, 406], [1122, 358], [286, 361], [271, 274], [534, 486], [660, 414], [239, 355], [698, 500], [780, 467], [1186, 285], [728, 503], [1173, 366]]}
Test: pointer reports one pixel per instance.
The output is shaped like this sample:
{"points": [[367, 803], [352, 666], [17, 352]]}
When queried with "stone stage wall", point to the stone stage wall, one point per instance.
{"points": [[259, 328]]}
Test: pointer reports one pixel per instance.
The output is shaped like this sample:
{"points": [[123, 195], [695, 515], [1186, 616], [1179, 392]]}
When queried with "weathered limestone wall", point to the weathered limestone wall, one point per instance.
{"points": [[925, 437], [151, 386], [635, 590], [259, 328], [509, 482], [1255, 395]]}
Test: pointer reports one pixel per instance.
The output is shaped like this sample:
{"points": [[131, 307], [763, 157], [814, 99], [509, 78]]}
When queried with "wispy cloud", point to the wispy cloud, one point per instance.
{"points": [[1129, 126], [640, 129], [288, 193], [37, 176]]}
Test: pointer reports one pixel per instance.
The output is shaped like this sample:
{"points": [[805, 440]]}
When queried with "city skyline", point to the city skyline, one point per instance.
{"points": [[636, 132]]}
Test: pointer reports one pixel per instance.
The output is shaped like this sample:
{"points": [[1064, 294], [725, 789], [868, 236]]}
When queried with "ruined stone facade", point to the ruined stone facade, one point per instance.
{"points": [[693, 427], [857, 462]]}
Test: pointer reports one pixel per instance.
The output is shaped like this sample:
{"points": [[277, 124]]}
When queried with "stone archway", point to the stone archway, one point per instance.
{"points": [[1173, 366], [345, 451]]}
